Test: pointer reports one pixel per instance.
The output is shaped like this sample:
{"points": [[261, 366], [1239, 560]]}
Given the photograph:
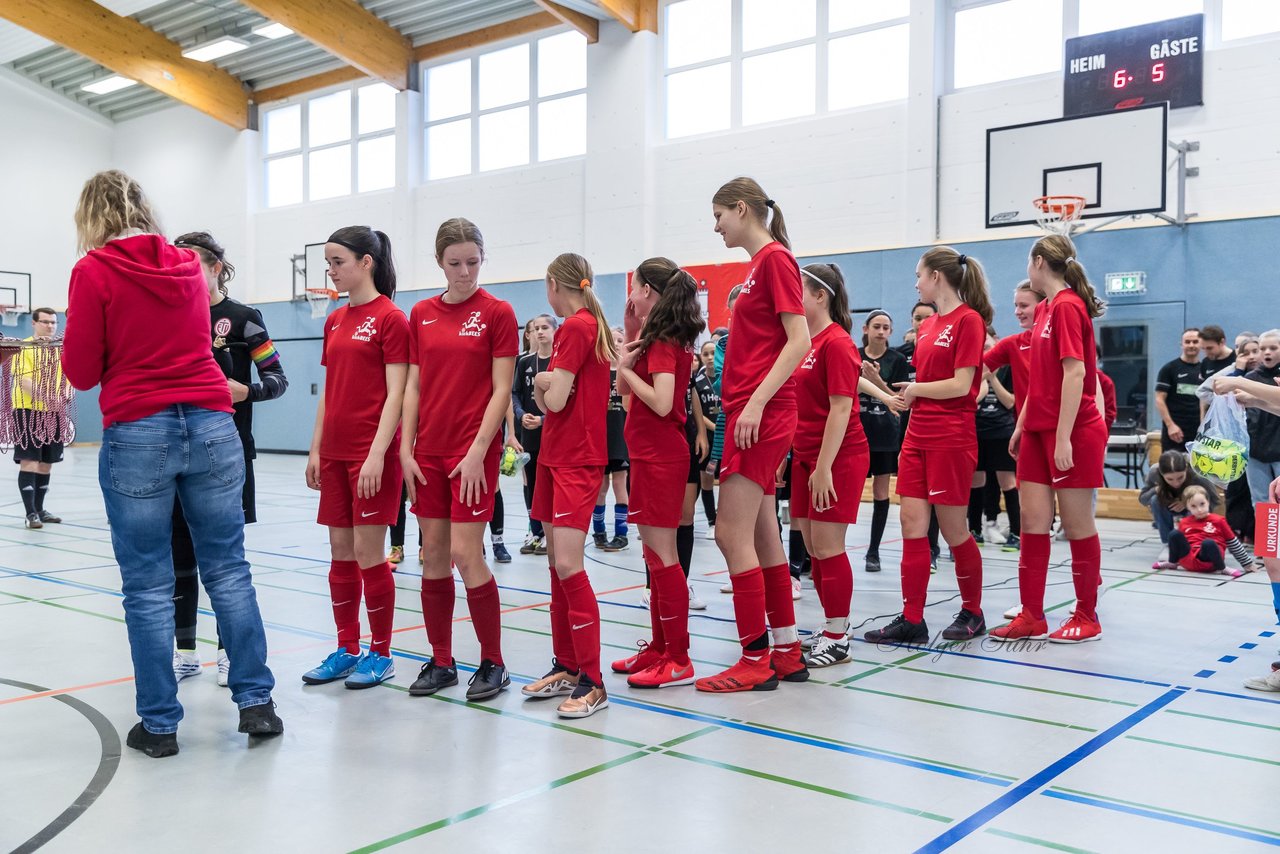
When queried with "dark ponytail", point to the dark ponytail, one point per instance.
{"points": [[965, 274], [362, 241], [210, 252], [750, 193], [827, 279], [1059, 253], [677, 315]]}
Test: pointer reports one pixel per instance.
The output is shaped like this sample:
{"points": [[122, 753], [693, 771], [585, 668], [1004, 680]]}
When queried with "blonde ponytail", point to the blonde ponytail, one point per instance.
{"points": [[572, 271]]}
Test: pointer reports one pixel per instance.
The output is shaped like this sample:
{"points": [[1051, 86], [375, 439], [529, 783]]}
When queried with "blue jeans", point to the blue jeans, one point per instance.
{"points": [[1166, 520], [1260, 475], [197, 454]]}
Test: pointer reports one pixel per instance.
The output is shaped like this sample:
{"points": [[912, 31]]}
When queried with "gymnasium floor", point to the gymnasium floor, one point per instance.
{"points": [[1147, 737]]}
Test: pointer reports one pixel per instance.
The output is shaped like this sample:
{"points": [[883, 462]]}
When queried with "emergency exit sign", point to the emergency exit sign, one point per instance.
{"points": [[1126, 284]]}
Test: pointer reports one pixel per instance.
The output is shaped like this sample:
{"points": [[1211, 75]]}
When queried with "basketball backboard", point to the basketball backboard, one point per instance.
{"points": [[1115, 160]]}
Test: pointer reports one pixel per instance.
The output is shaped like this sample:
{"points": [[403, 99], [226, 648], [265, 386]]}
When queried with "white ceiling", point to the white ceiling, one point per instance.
{"points": [[16, 42]]}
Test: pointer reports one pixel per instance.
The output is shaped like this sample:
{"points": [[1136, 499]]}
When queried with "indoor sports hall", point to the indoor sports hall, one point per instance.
{"points": [[1143, 131]]}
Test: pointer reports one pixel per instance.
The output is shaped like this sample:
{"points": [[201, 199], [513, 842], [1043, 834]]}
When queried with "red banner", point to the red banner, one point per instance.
{"points": [[714, 283], [1266, 530]]}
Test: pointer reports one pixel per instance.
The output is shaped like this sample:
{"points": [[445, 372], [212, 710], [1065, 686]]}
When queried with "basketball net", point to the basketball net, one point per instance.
{"points": [[44, 415], [1058, 214]]}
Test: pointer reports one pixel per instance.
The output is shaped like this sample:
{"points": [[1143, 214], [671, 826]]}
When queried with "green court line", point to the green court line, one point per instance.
{"points": [[499, 804], [1043, 843], [22, 600], [1201, 599], [52, 604], [883, 667], [812, 787], [1223, 720], [1204, 750], [946, 675], [965, 708], [1167, 811]]}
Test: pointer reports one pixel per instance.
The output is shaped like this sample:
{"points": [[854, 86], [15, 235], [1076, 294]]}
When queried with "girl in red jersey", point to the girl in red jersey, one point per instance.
{"points": [[450, 447], [940, 449], [654, 372], [355, 460], [830, 456], [574, 394], [1060, 443], [769, 340], [1203, 539]]}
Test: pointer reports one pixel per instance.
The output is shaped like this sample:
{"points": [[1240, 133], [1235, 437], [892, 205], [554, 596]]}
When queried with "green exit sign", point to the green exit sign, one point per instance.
{"points": [[1126, 284]]}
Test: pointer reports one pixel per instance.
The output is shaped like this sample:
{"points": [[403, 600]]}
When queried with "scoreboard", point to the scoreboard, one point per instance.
{"points": [[1125, 68]]}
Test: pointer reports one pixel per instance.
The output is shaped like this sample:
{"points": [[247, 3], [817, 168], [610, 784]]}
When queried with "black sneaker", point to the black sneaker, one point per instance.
{"points": [[873, 561], [967, 626], [50, 519], [601, 539], [33, 521], [487, 681], [1012, 544], [261, 720], [900, 631], [977, 538], [155, 746], [617, 544], [541, 548], [500, 553], [431, 678]]}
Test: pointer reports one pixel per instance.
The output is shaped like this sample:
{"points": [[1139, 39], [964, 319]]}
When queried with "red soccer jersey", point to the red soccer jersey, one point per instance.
{"points": [[831, 368], [1063, 330], [454, 345], [1108, 400], [649, 437], [772, 288], [577, 435], [359, 341], [1212, 527], [945, 344], [1014, 351]]}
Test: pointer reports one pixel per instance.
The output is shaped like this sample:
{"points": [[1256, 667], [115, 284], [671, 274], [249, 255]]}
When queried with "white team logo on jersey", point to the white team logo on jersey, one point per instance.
{"points": [[751, 280], [944, 337], [223, 327], [473, 328], [1209, 528], [810, 360], [366, 330], [1048, 326]]}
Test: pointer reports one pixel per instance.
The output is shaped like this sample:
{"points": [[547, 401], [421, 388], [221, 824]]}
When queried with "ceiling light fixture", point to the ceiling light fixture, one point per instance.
{"points": [[107, 85], [210, 51], [272, 30]]}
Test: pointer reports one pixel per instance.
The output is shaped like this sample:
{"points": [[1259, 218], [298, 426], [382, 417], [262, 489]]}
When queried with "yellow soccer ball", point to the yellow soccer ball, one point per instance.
{"points": [[1223, 460]]}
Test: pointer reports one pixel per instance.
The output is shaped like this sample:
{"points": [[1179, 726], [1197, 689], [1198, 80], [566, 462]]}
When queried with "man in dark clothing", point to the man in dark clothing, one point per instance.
{"points": [[1217, 355], [1176, 399]]}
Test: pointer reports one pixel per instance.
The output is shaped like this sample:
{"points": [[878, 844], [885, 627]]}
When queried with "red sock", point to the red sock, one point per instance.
{"points": [[344, 592], [486, 616], [561, 635], [815, 575], [380, 603], [748, 605], [584, 619], [1086, 570], [671, 602], [969, 575], [437, 613], [780, 608], [1033, 572], [837, 582], [658, 643], [915, 577]]}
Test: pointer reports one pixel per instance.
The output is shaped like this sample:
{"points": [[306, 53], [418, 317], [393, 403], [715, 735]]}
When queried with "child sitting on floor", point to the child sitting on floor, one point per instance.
{"points": [[1202, 540]]}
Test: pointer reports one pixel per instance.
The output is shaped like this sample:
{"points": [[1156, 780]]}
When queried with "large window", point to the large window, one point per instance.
{"points": [[1242, 19], [736, 63], [507, 107], [330, 145], [1007, 40]]}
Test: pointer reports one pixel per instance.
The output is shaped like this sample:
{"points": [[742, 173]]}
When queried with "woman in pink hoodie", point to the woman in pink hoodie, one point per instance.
{"points": [[167, 428]]}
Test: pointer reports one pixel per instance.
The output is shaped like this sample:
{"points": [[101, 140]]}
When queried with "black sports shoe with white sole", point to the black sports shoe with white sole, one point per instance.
{"points": [[900, 631], [487, 681]]}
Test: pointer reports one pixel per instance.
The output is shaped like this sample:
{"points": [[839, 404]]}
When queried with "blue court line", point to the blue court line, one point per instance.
{"points": [[1258, 699], [1160, 816], [1027, 787], [1205, 674], [1227, 659], [1248, 646], [1266, 634]]}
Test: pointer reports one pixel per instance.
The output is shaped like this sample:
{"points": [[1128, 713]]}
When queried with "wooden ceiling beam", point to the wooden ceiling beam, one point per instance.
{"points": [[588, 26], [346, 74], [132, 50], [635, 15], [348, 31]]}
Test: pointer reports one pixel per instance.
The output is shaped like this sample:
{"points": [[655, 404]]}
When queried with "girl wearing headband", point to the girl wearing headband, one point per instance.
{"points": [[880, 420]]}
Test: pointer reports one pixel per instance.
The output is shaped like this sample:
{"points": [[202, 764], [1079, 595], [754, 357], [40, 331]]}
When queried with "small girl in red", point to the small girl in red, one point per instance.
{"points": [[574, 394], [462, 344], [354, 459], [940, 450], [1060, 443], [830, 456], [654, 371], [769, 340], [1203, 539]]}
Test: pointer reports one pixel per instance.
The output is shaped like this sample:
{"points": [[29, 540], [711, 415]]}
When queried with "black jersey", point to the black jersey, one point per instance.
{"points": [[616, 420], [528, 366], [240, 340], [880, 424], [993, 419]]}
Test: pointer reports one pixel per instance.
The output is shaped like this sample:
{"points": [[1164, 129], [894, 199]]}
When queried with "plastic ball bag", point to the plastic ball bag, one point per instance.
{"points": [[1221, 447]]}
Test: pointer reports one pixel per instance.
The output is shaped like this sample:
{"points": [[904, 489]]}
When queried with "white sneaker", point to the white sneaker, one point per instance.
{"points": [[807, 642], [1270, 682], [185, 664], [727, 587], [711, 532], [695, 604], [224, 668], [795, 588], [1013, 612], [644, 600], [827, 652], [991, 534]]}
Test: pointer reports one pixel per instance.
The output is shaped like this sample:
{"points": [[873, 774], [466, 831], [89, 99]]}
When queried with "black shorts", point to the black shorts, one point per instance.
{"points": [[993, 455], [614, 466], [695, 468], [48, 453], [883, 462]]}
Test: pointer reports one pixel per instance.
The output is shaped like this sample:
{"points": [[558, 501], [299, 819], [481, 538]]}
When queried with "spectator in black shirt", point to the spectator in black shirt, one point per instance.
{"points": [[1176, 399], [529, 417], [1213, 345]]}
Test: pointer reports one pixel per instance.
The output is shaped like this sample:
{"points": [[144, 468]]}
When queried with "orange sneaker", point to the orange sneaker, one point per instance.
{"points": [[749, 674], [664, 674], [1023, 627], [1077, 629], [789, 664], [585, 701], [644, 658]]}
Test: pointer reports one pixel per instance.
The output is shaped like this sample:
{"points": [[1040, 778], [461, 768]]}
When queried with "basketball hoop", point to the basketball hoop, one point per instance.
{"points": [[320, 300], [9, 314], [1059, 214], [39, 402]]}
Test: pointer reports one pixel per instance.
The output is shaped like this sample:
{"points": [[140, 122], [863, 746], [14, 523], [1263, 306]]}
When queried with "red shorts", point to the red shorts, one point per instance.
{"points": [[1088, 452], [848, 476], [657, 492], [939, 477], [1193, 564], [564, 496], [759, 463], [441, 496], [340, 504]]}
